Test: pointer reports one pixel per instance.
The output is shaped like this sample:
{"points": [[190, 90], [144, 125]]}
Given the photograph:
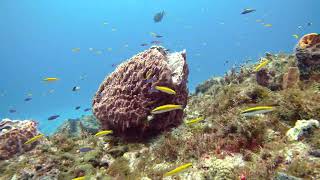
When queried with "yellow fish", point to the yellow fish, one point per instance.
{"points": [[165, 89], [166, 108], [79, 178], [50, 79], [153, 34], [257, 110], [268, 25], [101, 133], [296, 36], [262, 64], [194, 120], [35, 138], [259, 20], [75, 49], [178, 169]]}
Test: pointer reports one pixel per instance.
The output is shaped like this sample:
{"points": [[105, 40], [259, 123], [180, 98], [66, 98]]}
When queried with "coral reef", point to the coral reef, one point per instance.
{"points": [[224, 145], [301, 127], [308, 56], [126, 97], [77, 127], [13, 134]]}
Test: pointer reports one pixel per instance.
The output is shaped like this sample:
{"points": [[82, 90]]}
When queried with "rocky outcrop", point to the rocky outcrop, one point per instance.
{"points": [[76, 127], [13, 135], [125, 98]]}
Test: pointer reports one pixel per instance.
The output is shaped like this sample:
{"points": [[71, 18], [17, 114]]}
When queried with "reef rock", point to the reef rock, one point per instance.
{"points": [[300, 128], [76, 127], [291, 78], [125, 98], [308, 56], [13, 134]]}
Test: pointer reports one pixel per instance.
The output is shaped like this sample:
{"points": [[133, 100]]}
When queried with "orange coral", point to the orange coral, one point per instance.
{"points": [[309, 40]]}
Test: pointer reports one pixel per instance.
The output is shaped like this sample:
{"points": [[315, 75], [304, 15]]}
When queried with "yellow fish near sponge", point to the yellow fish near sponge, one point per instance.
{"points": [[262, 64], [165, 89], [33, 139], [49, 79], [194, 120], [178, 169], [101, 133], [166, 108], [79, 178], [257, 110]]}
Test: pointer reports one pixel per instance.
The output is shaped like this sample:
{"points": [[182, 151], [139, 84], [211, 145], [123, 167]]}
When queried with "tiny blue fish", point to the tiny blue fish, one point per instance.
{"points": [[87, 109], [150, 80], [247, 11], [78, 107], [85, 149], [28, 99], [12, 110], [53, 117]]}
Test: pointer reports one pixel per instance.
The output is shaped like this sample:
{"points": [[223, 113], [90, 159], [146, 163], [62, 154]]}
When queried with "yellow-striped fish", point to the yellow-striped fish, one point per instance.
{"points": [[33, 139], [194, 120], [49, 79], [165, 89], [178, 169], [75, 49], [262, 64], [79, 178], [296, 36], [268, 25], [166, 108], [257, 110], [101, 133]]}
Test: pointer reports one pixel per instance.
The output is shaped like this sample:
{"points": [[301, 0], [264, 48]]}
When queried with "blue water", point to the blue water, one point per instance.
{"points": [[36, 38]]}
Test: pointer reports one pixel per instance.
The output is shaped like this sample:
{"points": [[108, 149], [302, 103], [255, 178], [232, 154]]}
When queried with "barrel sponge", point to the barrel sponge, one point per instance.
{"points": [[126, 97], [307, 53]]}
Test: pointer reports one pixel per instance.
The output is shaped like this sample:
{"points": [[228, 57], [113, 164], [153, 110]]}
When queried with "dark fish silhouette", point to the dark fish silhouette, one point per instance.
{"points": [[53, 117], [78, 107], [76, 88], [143, 44], [28, 99], [12, 110], [156, 42], [87, 109], [150, 80], [85, 149], [158, 16], [158, 36], [247, 11]]}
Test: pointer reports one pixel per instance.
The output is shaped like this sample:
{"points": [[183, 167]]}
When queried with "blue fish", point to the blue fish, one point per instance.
{"points": [[247, 11], [28, 99], [87, 109], [78, 107], [53, 117], [150, 80], [85, 149], [12, 110]]}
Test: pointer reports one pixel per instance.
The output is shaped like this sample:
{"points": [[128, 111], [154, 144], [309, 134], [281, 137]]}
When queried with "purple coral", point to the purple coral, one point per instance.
{"points": [[123, 101]]}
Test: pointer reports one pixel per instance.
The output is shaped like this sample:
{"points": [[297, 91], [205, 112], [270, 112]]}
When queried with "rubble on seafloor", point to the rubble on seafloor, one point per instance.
{"points": [[225, 145]]}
